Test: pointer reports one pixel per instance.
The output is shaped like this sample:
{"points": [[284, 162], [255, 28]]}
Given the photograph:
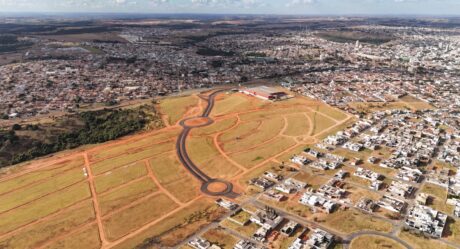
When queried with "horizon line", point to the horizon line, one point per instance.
{"points": [[223, 14]]}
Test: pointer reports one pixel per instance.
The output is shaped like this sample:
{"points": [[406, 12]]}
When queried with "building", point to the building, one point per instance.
{"points": [[320, 239], [392, 204], [427, 220], [422, 198], [290, 186], [367, 174], [226, 204], [265, 93], [244, 244], [367, 205], [289, 228], [274, 195], [267, 218], [401, 189], [200, 243], [316, 201], [300, 160], [261, 183]]}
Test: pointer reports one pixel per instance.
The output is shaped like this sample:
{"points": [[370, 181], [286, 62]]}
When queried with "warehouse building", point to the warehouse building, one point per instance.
{"points": [[265, 93]]}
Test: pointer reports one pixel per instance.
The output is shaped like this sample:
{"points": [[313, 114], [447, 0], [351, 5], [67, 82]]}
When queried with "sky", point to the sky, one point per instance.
{"points": [[296, 7]]}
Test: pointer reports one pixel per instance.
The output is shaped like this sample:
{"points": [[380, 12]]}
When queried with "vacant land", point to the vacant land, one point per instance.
{"points": [[119, 176], [123, 196], [175, 108], [134, 192], [173, 177], [174, 228], [204, 152], [137, 215], [415, 103], [421, 242], [221, 238], [374, 242], [438, 197], [251, 134], [350, 221], [298, 125]]}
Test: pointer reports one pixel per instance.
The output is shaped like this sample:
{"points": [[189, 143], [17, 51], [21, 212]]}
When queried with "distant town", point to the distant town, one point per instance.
{"points": [[243, 132]]}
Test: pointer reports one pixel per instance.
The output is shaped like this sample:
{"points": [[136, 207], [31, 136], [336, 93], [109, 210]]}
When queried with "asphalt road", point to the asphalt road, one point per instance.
{"points": [[375, 233], [181, 150]]}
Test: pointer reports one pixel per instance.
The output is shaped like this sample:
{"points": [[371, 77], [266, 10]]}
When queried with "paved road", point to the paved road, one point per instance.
{"points": [[181, 149], [353, 236]]}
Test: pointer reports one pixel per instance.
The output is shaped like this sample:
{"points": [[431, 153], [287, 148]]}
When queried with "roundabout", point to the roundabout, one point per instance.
{"points": [[216, 187]]}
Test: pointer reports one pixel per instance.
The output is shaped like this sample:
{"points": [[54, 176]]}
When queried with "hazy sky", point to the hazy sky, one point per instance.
{"points": [[307, 7]]}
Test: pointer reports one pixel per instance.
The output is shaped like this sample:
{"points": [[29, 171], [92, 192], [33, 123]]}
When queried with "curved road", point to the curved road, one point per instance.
{"points": [[375, 233], [181, 149]]}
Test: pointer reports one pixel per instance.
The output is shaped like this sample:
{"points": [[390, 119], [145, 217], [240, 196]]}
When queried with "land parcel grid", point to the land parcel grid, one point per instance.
{"points": [[265, 130], [142, 193]]}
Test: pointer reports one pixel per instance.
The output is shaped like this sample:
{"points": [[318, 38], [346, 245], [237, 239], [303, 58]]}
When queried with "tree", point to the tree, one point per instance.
{"points": [[16, 127]]}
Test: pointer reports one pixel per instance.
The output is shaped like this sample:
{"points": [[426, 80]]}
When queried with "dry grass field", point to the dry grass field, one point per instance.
{"points": [[374, 242], [350, 221], [176, 108], [438, 197], [220, 237], [135, 190], [415, 103], [422, 242]]}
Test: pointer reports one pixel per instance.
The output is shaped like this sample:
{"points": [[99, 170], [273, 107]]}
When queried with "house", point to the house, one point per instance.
{"points": [[274, 196], [323, 164], [226, 204], [367, 205], [244, 244], [400, 189], [300, 242], [320, 239], [376, 185], [300, 160], [373, 160], [289, 228], [267, 218], [392, 204], [261, 183], [410, 174], [427, 220], [353, 146], [200, 243], [336, 139], [422, 198], [367, 174], [331, 192], [456, 203], [341, 174], [261, 234], [441, 179], [273, 176], [316, 201], [313, 153], [290, 186]]}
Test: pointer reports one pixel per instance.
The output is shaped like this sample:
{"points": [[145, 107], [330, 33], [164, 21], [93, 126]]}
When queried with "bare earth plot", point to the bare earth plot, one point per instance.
{"points": [[135, 191]]}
